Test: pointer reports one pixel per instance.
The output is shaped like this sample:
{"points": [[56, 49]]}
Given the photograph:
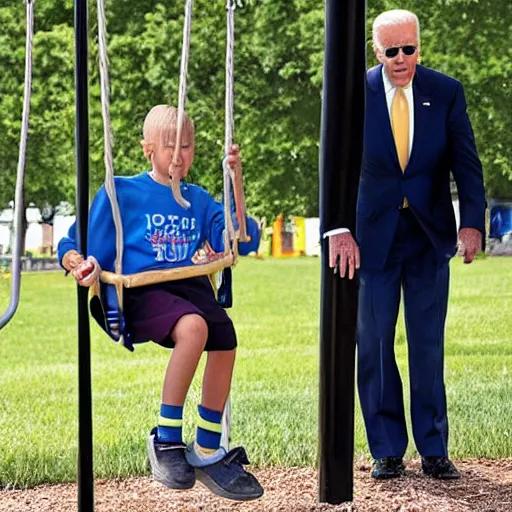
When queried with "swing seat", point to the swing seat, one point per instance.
{"points": [[106, 303], [105, 308]]}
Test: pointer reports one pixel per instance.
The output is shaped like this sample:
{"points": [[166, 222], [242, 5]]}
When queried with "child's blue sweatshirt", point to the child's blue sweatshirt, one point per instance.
{"points": [[158, 232]]}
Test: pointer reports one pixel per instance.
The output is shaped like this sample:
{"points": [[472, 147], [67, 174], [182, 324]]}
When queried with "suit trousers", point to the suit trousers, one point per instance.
{"points": [[411, 267]]}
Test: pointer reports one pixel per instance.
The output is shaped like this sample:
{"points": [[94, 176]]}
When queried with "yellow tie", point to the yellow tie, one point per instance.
{"points": [[400, 124]]}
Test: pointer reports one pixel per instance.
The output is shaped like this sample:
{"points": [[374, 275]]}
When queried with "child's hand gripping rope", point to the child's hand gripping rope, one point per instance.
{"points": [[84, 271]]}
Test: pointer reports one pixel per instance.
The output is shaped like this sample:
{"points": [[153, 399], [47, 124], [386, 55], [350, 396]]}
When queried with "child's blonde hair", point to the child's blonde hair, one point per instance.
{"points": [[160, 126]]}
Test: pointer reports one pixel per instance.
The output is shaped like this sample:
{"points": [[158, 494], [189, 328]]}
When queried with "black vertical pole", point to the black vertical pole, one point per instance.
{"points": [[340, 161], [85, 466]]}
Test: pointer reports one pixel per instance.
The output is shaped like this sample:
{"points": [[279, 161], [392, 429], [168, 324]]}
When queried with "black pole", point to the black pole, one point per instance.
{"points": [[85, 466], [340, 161]]}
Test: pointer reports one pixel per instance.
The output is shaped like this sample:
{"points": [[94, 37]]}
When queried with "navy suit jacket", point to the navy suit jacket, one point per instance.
{"points": [[443, 142]]}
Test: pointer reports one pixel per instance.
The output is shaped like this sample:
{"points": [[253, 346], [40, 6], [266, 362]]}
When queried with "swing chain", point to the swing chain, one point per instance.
{"points": [[233, 4]]}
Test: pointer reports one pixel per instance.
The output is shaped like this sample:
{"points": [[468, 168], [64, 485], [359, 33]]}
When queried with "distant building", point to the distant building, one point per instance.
{"points": [[41, 238]]}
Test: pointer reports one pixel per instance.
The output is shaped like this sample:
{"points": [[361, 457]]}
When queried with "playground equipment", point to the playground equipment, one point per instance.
{"points": [[19, 202], [288, 237], [341, 149]]}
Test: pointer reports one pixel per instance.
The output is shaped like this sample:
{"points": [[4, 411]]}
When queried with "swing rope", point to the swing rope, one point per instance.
{"points": [[20, 176], [107, 136], [229, 121], [185, 51], [228, 174]]}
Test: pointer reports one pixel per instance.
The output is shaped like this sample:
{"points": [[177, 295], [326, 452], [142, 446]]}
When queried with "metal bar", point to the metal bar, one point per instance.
{"points": [[19, 200], [85, 453], [340, 161]]}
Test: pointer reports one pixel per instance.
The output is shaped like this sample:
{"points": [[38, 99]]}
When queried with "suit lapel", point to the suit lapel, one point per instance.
{"points": [[378, 107], [422, 106]]}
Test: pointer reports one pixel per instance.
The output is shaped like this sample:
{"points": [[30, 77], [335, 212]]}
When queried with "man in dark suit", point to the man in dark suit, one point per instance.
{"points": [[417, 131]]}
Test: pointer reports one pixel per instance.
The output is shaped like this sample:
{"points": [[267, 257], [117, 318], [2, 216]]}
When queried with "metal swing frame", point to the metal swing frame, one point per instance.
{"points": [[19, 202]]}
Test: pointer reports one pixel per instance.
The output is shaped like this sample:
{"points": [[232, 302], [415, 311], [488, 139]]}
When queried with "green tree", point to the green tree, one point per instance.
{"points": [[278, 81], [12, 51]]}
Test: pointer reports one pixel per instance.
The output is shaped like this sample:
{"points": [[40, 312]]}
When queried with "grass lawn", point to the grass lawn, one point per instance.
{"points": [[275, 390]]}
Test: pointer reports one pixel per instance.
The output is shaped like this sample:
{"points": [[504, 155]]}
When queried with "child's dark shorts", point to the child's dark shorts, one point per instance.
{"points": [[152, 311]]}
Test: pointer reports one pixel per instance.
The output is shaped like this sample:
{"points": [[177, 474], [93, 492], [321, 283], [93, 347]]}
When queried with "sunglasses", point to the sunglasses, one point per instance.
{"points": [[392, 52]]}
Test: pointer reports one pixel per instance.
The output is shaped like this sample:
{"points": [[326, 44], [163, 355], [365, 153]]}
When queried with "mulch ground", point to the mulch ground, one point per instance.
{"points": [[485, 486]]}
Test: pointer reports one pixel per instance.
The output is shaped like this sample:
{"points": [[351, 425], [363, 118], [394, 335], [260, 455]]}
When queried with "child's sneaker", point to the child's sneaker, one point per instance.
{"points": [[224, 475], [169, 464]]}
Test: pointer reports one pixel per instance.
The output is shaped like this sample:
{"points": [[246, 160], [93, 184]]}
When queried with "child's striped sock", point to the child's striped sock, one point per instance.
{"points": [[170, 423], [209, 430]]}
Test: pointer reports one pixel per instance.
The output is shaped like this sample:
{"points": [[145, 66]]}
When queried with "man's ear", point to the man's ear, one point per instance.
{"points": [[148, 148], [380, 55]]}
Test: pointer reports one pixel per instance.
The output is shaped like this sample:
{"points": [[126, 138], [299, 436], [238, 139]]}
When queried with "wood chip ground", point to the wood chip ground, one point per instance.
{"points": [[485, 486]]}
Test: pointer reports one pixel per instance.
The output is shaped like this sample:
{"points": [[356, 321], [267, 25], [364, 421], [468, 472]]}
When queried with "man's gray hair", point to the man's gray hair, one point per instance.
{"points": [[394, 17]]}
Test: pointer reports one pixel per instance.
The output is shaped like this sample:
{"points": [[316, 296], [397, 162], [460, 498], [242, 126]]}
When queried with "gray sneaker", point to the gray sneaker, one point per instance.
{"points": [[223, 473], [168, 463]]}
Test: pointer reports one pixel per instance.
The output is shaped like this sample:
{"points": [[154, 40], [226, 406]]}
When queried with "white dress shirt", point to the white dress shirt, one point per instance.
{"points": [[389, 90]]}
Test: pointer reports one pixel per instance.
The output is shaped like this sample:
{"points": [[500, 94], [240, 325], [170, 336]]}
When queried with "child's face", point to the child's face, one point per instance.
{"points": [[163, 154]]}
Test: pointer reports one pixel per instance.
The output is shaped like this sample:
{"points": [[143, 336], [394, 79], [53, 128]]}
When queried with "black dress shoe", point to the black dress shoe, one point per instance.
{"points": [[388, 467], [439, 467]]}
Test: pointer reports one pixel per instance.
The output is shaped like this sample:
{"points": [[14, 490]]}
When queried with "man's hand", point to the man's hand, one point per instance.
{"points": [[343, 253], [471, 240]]}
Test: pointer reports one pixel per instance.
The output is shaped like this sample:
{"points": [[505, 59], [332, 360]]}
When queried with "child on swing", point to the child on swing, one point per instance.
{"points": [[180, 315]]}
